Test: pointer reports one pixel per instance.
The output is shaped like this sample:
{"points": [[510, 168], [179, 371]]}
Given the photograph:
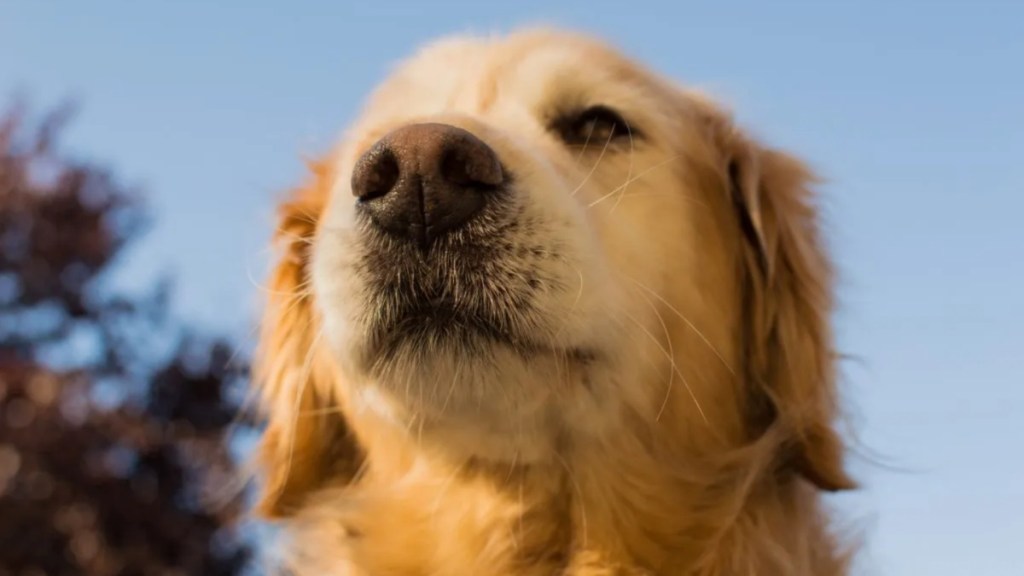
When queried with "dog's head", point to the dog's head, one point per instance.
{"points": [[526, 240]]}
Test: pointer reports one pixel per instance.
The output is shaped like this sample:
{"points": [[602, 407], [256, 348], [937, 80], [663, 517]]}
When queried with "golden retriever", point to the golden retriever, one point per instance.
{"points": [[544, 312]]}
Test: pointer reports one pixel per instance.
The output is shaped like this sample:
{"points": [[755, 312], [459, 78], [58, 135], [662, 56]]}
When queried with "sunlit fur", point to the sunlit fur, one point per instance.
{"points": [[695, 434]]}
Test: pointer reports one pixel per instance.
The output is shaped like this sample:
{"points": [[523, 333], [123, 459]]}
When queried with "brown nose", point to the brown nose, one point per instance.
{"points": [[423, 180]]}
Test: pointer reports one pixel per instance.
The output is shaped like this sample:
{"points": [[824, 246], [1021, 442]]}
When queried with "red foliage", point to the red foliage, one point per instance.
{"points": [[108, 448]]}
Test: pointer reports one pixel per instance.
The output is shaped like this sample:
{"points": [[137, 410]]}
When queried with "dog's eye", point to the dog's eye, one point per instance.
{"points": [[596, 126]]}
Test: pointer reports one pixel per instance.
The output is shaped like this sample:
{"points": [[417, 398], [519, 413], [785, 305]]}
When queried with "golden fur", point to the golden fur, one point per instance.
{"points": [[696, 439]]}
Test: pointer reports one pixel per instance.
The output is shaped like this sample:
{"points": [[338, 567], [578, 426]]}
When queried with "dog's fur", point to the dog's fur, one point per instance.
{"points": [[654, 392]]}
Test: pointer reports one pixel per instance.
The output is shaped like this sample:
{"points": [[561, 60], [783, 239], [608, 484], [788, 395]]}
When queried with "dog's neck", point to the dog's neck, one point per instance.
{"points": [[608, 507]]}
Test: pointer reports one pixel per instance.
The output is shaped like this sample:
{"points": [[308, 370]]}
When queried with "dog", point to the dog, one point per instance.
{"points": [[543, 311]]}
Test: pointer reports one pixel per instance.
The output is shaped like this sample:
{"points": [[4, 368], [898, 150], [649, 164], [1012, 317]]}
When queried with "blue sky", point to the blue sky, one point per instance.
{"points": [[914, 111]]}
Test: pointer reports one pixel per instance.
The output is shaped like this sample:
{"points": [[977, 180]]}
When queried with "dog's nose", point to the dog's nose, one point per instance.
{"points": [[423, 180]]}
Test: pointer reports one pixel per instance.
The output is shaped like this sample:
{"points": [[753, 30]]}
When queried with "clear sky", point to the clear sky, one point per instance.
{"points": [[913, 110]]}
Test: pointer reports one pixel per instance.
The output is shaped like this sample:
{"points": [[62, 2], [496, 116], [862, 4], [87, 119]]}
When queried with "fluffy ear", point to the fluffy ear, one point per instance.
{"points": [[789, 283], [306, 444]]}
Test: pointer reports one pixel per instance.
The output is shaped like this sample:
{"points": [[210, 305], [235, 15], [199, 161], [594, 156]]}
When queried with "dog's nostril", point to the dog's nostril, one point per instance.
{"points": [[471, 165], [376, 174]]}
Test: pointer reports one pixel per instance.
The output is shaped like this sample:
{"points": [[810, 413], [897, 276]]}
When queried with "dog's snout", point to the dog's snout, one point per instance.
{"points": [[423, 180]]}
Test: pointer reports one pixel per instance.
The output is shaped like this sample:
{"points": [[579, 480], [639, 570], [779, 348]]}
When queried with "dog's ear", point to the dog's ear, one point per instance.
{"points": [[789, 283], [306, 444]]}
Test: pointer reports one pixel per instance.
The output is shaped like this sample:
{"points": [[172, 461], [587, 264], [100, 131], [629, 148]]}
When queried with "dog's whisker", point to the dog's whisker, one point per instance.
{"points": [[451, 388], [293, 237], [597, 163], [291, 294], [586, 142], [682, 317], [675, 367], [302, 215], [254, 330], [629, 172], [437, 506], [631, 180], [672, 359], [572, 309], [571, 476], [668, 194]]}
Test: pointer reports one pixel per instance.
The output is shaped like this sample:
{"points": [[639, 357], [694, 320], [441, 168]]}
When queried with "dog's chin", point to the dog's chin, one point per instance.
{"points": [[475, 390], [439, 353], [431, 330]]}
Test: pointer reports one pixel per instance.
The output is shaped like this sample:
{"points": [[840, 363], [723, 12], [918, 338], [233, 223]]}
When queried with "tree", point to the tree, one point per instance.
{"points": [[114, 420]]}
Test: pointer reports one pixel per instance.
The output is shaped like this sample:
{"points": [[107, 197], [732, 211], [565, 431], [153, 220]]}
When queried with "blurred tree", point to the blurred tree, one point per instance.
{"points": [[113, 421]]}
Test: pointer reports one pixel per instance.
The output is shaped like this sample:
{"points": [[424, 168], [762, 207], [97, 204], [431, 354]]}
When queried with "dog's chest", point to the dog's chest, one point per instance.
{"points": [[447, 526]]}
